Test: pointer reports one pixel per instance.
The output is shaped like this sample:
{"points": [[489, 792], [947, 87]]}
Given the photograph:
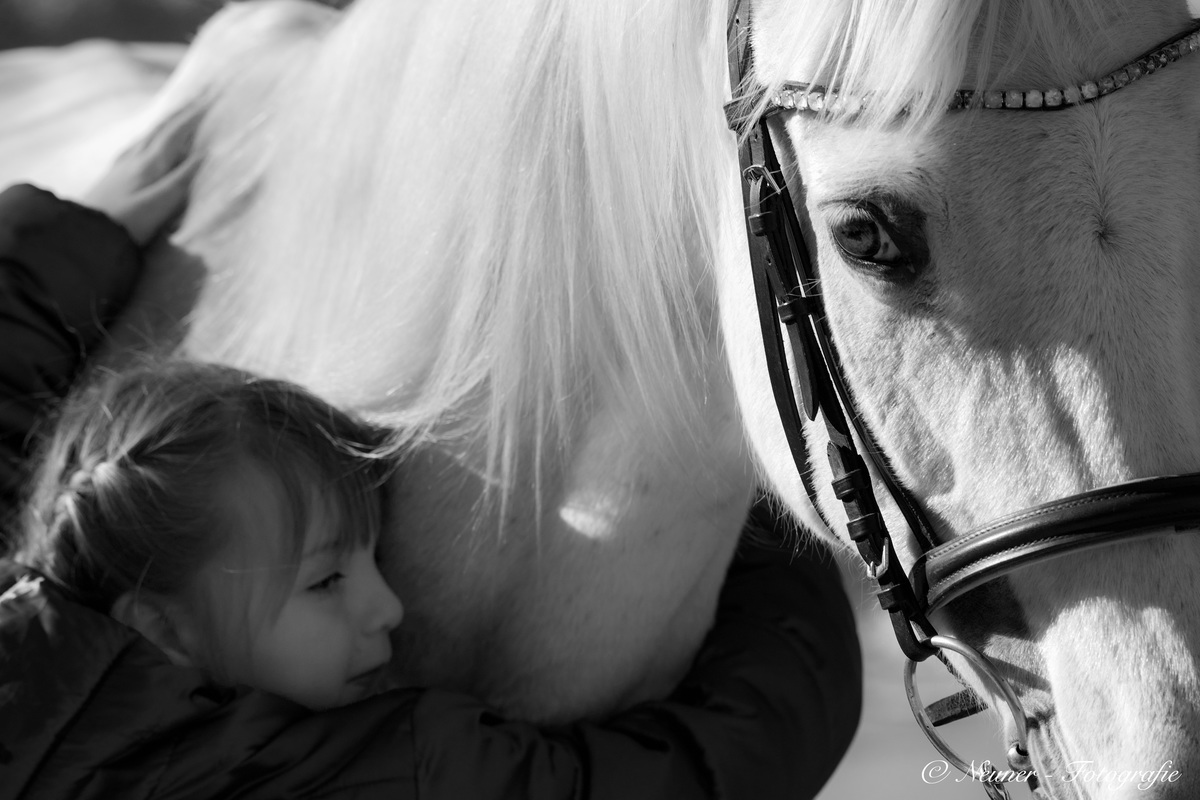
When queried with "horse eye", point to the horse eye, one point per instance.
{"points": [[861, 236]]}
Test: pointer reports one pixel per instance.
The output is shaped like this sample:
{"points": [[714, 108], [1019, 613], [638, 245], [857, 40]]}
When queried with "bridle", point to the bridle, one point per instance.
{"points": [[791, 317]]}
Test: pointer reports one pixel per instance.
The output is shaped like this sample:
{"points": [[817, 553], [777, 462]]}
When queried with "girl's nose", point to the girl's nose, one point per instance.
{"points": [[386, 611]]}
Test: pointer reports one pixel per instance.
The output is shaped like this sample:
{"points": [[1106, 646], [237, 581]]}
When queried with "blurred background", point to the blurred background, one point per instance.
{"points": [[26, 23], [889, 754]]}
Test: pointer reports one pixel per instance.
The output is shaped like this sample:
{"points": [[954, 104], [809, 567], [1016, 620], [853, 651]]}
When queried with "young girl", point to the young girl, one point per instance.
{"points": [[230, 520], [196, 612]]}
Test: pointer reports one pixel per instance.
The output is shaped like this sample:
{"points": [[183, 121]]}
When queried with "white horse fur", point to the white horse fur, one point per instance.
{"points": [[1051, 345]]}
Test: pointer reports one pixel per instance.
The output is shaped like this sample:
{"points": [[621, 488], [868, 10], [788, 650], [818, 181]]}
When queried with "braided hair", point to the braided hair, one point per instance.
{"points": [[127, 493]]}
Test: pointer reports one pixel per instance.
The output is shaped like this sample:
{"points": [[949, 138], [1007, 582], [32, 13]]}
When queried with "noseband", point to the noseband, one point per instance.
{"points": [[790, 307]]}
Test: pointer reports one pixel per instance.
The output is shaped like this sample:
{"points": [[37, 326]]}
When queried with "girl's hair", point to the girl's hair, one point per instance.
{"points": [[133, 488]]}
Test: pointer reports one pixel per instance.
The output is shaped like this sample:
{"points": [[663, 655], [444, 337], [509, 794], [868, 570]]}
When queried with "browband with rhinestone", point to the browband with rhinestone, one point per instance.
{"points": [[805, 97]]}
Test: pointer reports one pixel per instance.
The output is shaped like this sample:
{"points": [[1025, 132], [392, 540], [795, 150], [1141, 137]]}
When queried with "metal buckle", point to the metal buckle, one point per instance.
{"points": [[875, 570], [1018, 751], [759, 171]]}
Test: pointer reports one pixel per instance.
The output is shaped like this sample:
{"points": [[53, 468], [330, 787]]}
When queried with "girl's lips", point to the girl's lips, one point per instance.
{"points": [[372, 681]]}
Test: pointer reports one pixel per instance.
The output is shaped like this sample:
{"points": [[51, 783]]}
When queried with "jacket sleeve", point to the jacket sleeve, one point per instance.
{"points": [[65, 271], [767, 710]]}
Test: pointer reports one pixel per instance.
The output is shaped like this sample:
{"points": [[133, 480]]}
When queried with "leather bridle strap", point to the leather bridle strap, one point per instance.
{"points": [[1114, 514], [785, 287], [762, 222]]}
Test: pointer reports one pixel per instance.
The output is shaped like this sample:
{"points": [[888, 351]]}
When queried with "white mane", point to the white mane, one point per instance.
{"points": [[377, 268]]}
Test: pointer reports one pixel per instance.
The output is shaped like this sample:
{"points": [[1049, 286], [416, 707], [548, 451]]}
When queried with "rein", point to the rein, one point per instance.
{"points": [[790, 307]]}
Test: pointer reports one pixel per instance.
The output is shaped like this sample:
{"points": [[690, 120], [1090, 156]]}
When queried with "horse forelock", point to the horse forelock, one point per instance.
{"points": [[905, 58], [376, 266]]}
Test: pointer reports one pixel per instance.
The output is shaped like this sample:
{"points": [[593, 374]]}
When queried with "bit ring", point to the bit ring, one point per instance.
{"points": [[1018, 751]]}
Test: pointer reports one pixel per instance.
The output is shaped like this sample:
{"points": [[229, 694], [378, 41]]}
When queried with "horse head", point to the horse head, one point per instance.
{"points": [[1011, 292]]}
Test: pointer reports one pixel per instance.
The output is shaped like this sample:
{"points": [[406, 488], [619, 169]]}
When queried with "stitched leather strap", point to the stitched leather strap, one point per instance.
{"points": [[1150, 507], [750, 154], [785, 283]]}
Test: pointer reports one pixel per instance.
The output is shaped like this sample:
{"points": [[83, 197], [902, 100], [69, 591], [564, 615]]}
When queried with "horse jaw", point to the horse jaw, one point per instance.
{"points": [[1050, 347]]}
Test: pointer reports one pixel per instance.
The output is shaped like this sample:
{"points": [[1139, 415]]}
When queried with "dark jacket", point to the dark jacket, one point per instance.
{"points": [[90, 709], [65, 271]]}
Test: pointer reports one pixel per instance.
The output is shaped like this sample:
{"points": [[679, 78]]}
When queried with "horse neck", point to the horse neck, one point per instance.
{"points": [[539, 319]]}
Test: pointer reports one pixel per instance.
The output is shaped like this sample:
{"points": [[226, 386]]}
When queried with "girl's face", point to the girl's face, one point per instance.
{"points": [[328, 644]]}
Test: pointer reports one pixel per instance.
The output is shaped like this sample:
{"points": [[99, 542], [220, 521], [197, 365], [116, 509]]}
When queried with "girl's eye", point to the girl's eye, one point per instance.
{"points": [[328, 583], [861, 236]]}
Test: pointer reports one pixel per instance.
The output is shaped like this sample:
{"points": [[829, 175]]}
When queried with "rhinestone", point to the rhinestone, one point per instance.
{"points": [[1164, 57], [1090, 91], [1121, 78], [1106, 84], [1033, 99], [1072, 96], [1135, 71], [1170, 53], [787, 99], [1150, 65], [802, 101], [1054, 98], [993, 99], [1013, 100], [851, 104], [816, 101]]}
